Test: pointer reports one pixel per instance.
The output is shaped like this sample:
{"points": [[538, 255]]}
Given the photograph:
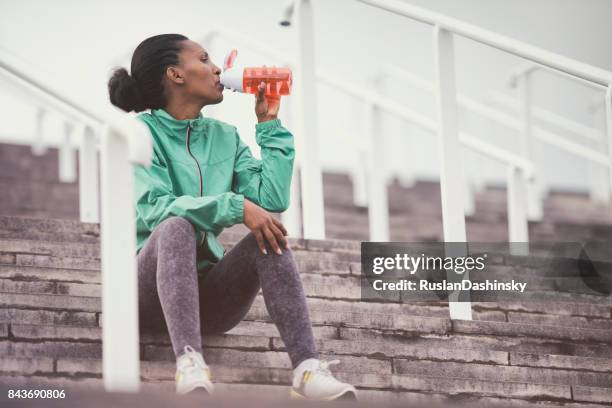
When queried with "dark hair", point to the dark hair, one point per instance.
{"points": [[144, 89]]}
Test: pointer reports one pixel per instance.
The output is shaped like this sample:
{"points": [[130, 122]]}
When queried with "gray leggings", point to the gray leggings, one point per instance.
{"points": [[172, 296]]}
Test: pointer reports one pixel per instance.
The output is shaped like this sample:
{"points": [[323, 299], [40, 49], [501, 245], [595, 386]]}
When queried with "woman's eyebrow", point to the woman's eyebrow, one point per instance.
{"points": [[204, 54]]}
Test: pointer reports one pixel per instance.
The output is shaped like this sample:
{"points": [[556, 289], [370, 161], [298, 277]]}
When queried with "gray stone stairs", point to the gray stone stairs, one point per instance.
{"points": [[415, 215], [551, 353], [523, 354]]}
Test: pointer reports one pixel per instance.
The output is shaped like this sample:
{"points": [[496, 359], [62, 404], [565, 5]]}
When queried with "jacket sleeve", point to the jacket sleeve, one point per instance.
{"points": [[266, 182], [155, 202]]}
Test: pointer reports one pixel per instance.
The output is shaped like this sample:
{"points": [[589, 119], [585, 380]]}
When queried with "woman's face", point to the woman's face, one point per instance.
{"points": [[200, 76]]}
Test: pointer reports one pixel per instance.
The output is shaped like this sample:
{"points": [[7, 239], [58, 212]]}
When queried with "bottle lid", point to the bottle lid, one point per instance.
{"points": [[229, 59], [231, 77]]}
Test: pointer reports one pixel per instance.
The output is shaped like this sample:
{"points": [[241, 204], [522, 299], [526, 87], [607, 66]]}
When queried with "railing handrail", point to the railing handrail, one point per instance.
{"points": [[545, 115], [524, 69], [135, 133], [533, 53], [507, 120], [494, 114], [487, 149]]}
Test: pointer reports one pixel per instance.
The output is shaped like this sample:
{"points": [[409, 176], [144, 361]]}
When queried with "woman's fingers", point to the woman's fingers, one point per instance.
{"points": [[260, 92], [279, 235], [279, 225], [260, 241], [271, 239], [282, 230]]}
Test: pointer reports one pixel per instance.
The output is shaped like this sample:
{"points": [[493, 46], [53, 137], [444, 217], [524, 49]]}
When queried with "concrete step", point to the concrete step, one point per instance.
{"points": [[279, 374], [27, 235], [377, 371]]}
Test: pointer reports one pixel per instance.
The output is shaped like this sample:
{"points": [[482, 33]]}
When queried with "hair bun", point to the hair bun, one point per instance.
{"points": [[124, 92]]}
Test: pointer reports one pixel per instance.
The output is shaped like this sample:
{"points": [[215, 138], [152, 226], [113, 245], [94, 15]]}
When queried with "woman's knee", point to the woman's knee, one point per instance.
{"points": [[176, 231], [176, 227]]}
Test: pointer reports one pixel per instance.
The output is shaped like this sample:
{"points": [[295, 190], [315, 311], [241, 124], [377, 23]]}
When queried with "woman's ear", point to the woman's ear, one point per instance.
{"points": [[175, 75]]}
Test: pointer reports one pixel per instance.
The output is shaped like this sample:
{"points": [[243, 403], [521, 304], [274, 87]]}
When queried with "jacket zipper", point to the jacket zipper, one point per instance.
{"points": [[192, 156], [187, 145]]}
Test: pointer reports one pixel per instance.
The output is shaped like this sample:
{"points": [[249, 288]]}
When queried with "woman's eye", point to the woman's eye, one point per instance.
{"points": [[204, 59]]}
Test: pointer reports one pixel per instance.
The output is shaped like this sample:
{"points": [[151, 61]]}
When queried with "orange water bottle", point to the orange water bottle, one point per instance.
{"points": [[278, 80]]}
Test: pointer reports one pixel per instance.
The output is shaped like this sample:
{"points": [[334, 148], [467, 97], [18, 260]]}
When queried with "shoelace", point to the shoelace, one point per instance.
{"points": [[324, 366]]}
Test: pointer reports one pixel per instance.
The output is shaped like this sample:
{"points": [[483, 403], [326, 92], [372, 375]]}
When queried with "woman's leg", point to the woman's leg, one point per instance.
{"points": [[229, 289], [167, 284]]}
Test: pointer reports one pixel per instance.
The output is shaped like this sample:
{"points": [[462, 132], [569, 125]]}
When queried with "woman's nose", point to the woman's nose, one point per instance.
{"points": [[217, 70]]}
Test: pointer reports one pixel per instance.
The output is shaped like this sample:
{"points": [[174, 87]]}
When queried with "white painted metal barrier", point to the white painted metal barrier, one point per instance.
{"points": [[376, 176], [38, 145], [125, 141], [374, 99], [594, 157], [313, 211], [443, 30], [599, 187], [67, 156]]}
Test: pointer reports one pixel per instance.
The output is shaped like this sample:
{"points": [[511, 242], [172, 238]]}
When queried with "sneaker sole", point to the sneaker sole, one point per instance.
{"points": [[344, 395], [196, 388]]}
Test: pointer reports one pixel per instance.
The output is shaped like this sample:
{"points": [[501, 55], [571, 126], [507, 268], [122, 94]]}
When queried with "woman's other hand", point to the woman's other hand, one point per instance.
{"points": [[264, 226], [266, 107]]}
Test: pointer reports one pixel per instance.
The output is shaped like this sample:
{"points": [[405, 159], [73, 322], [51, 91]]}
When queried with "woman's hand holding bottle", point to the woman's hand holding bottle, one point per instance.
{"points": [[266, 106]]}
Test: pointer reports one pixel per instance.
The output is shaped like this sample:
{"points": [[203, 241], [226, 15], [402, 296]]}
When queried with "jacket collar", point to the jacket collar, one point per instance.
{"points": [[179, 127]]}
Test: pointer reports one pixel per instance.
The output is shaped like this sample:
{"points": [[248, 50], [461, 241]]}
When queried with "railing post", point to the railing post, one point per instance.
{"points": [[469, 198], [305, 84], [406, 175], [376, 177], [39, 146], [292, 218], [518, 227], [597, 177], [469, 192], [608, 107], [451, 181], [120, 336], [358, 176], [600, 189], [534, 190], [67, 156], [88, 176]]}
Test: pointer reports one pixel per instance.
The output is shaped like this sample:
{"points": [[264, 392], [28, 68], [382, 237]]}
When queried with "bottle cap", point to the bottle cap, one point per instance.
{"points": [[232, 76]]}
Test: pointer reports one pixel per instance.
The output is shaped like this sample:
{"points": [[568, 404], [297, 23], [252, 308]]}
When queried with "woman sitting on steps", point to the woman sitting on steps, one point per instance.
{"points": [[203, 179]]}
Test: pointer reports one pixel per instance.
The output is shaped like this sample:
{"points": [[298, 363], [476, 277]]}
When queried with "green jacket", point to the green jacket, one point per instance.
{"points": [[201, 170]]}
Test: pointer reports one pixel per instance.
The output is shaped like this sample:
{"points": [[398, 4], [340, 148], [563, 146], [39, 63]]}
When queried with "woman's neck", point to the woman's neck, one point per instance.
{"points": [[182, 111]]}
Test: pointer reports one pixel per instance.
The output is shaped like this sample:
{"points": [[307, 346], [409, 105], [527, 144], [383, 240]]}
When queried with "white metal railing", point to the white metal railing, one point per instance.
{"points": [[522, 77], [444, 30], [124, 141], [469, 104]]}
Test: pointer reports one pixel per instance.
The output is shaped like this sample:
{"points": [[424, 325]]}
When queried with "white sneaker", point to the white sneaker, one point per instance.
{"points": [[192, 372], [312, 380]]}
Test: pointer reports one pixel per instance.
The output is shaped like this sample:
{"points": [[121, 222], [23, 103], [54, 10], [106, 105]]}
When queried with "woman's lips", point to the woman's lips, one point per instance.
{"points": [[220, 86]]}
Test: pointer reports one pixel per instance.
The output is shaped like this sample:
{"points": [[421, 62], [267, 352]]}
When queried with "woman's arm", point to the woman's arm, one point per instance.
{"points": [[266, 182]]}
